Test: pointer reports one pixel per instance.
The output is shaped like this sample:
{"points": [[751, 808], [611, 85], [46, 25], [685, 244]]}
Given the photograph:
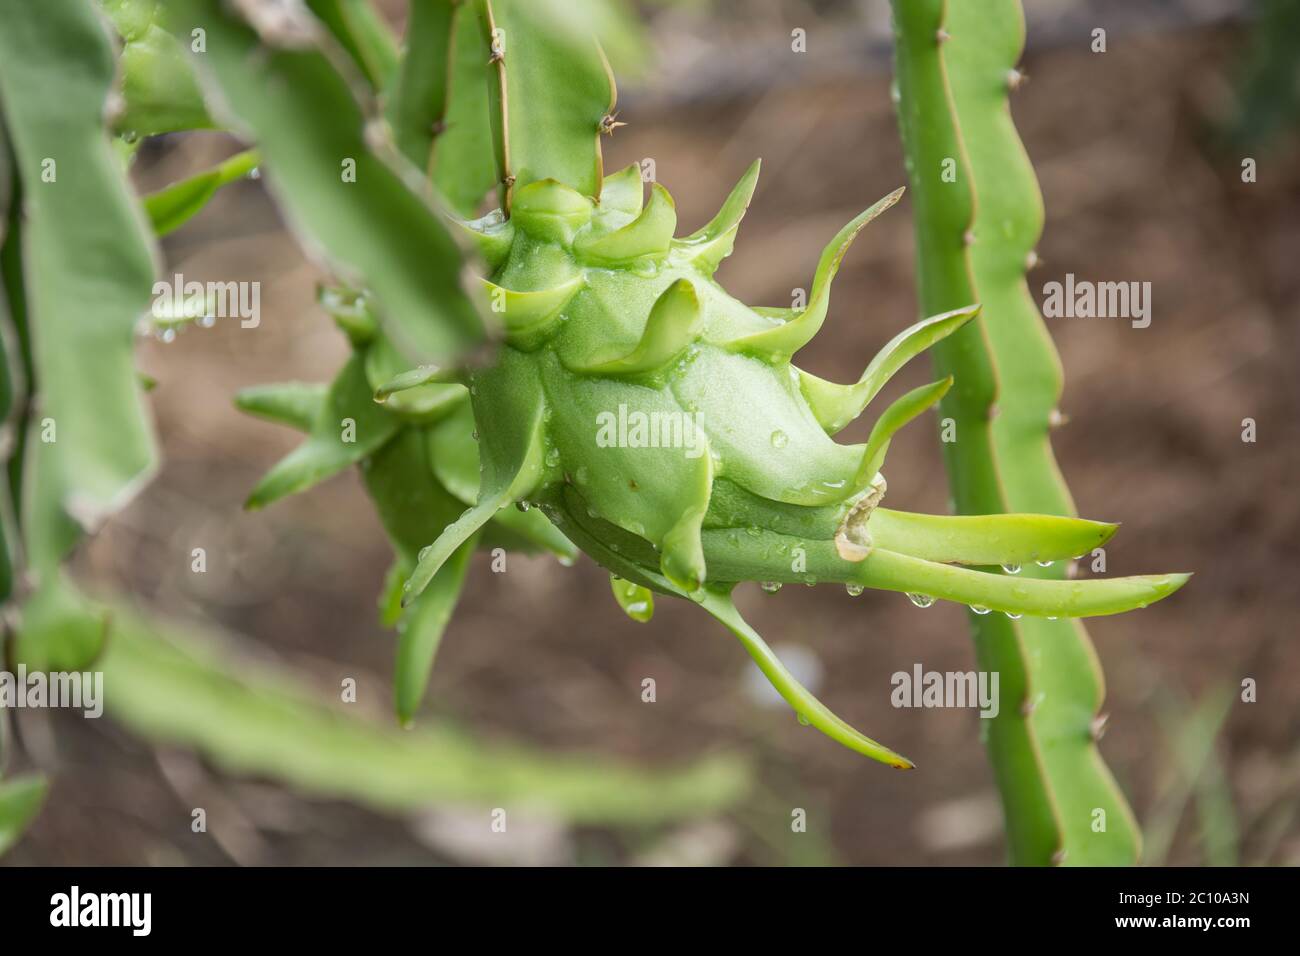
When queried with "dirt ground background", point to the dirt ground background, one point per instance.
{"points": [[1134, 190]]}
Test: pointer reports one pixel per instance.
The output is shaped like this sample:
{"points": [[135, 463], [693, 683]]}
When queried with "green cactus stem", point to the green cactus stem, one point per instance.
{"points": [[979, 216]]}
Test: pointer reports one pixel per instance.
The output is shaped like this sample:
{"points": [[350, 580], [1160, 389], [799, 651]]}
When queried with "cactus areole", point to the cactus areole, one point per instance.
{"points": [[660, 424]]}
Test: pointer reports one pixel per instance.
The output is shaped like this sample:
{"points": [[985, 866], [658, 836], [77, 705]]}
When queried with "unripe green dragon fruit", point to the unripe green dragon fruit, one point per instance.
{"points": [[660, 424]]}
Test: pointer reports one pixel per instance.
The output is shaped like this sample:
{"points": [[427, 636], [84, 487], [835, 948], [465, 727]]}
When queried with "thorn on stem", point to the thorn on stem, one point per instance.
{"points": [[942, 36], [1016, 79], [610, 123], [1056, 418], [1032, 261], [1097, 728]]}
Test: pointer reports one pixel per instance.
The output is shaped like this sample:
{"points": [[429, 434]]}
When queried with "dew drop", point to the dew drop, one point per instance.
{"points": [[474, 434], [920, 600], [802, 719], [523, 505], [1053, 618], [424, 552], [1044, 564], [1011, 568], [166, 335], [1014, 617], [780, 439], [854, 589], [771, 587], [255, 173], [979, 609]]}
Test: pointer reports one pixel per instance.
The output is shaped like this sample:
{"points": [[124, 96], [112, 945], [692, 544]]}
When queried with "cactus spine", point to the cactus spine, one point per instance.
{"points": [[976, 232]]}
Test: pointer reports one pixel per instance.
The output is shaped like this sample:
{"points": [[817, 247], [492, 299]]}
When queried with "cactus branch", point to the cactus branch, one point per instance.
{"points": [[979, 215]]}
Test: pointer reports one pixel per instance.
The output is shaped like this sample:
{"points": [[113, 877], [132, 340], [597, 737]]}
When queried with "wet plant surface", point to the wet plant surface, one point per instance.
{"points": [[1153, 441]]}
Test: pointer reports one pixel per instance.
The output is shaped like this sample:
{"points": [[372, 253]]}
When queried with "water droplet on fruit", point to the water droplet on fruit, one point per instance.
{"points": [[920, 600], [979, 609], [1011, 568], [854, 589], [771, 587], [780, 439]]}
